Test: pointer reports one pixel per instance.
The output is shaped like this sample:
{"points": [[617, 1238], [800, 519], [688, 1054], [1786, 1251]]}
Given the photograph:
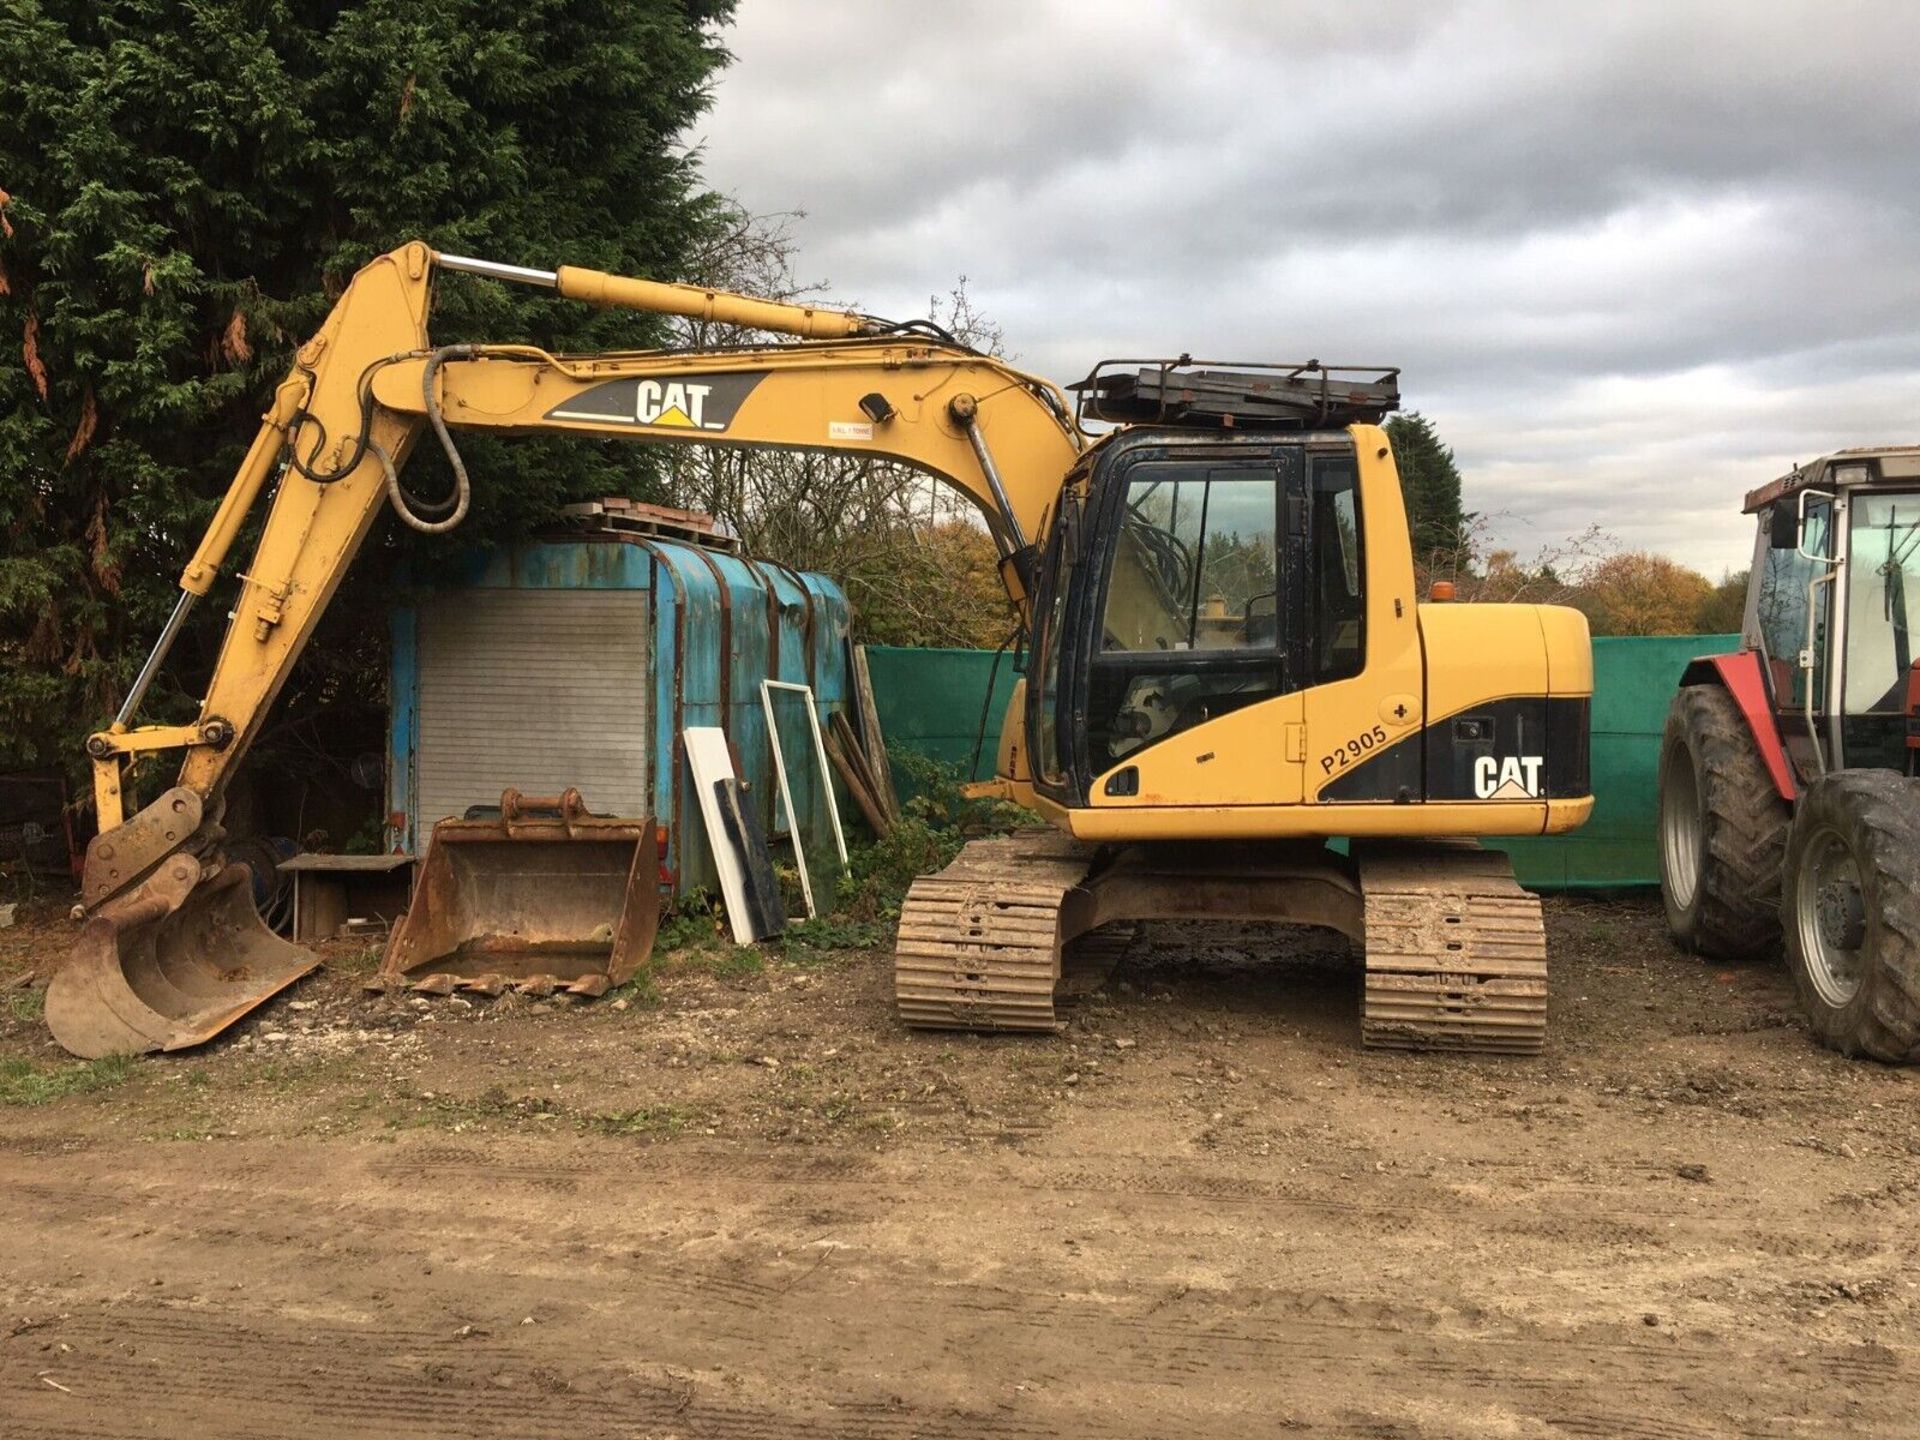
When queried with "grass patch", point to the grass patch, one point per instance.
{"points": [[730, 962], [641, 990], [188, 1134], [24, 1083], [494, 1104], [26, 1004], [647, 1120], [363, 960], [805, 940], [737, 963]]}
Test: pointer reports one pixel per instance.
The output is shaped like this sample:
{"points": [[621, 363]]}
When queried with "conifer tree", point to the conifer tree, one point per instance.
{"points": [[1430, 481], [187, 189]]}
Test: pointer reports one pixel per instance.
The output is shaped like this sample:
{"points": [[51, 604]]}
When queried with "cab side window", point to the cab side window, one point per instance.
{"points": [[1339, 602], [1781, 614]]}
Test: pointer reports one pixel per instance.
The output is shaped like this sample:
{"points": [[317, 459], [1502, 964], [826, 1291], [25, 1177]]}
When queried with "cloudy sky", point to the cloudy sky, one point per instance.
{"points": [[1633, 258]]}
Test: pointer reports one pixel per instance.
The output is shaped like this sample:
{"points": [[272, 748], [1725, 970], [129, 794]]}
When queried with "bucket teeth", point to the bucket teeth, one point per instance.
{"points": [[494, 984]]}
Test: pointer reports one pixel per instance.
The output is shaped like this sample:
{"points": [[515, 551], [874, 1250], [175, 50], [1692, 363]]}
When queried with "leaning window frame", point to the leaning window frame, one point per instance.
{"points": [[767, 687]]}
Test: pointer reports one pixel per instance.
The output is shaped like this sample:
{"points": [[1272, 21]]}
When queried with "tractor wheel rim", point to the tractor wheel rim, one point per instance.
{"points": [[1680, 827], [1830, 915]]}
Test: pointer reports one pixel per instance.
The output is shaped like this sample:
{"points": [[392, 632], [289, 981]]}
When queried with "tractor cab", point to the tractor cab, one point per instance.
{"points": [[1833, 608], [1788, 808]]}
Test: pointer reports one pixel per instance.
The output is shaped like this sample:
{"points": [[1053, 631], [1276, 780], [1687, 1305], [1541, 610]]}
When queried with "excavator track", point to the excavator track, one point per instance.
{"points": [[980, 942], [1456, 952]]}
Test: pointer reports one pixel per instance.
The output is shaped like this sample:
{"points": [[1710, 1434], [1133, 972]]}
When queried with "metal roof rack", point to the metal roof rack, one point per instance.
{"points": [[1235, 394]]}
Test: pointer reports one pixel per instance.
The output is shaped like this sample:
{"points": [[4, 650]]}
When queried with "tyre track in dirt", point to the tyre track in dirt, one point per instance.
{"points": [[1198, 1212], [765, 1305]]}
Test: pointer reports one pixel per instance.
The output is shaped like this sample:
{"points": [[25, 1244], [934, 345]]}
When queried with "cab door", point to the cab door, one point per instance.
{"points": [[1367, 692], [1878, 634], [1791, 618]]}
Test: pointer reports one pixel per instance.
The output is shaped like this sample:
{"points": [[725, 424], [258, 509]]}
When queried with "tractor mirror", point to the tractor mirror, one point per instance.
{"points": [[1783, 527]]}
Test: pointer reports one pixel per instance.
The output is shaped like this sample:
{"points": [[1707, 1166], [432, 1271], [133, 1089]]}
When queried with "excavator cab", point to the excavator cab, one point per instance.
{"points": [[1197, 574]]}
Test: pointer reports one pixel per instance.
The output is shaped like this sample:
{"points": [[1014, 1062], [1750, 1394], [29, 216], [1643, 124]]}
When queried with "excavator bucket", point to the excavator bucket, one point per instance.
{"points": [[170, 964], [546, 897]]}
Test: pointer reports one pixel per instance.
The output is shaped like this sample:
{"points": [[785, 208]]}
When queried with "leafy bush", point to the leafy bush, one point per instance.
{"points": [[935, 822]]}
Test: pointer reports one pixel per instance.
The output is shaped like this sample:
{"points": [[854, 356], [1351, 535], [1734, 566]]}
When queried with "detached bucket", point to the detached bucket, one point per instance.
{"points": [[170, 964], [545, 897]]}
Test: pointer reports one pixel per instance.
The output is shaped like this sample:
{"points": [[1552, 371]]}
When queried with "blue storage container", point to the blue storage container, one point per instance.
{"points": [[555, 663]]}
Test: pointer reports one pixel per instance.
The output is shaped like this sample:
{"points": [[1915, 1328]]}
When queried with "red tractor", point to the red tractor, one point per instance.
{"points": [[1788, 802]]}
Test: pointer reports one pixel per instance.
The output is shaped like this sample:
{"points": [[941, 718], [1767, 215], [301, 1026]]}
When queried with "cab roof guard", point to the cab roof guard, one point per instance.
{"points": [[1235, 394]]}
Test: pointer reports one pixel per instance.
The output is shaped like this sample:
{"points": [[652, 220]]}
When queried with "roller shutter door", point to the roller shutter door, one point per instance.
{"points": [[534, 689]]}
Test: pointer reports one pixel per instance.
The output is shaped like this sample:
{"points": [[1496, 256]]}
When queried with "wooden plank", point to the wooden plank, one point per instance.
{"points": [[840, 731], [858, 786], [874, 741], [376, 864]]}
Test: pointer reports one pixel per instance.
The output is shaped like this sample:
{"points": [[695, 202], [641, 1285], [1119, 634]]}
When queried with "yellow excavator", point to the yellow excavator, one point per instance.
{"points": [[1227, 664]]}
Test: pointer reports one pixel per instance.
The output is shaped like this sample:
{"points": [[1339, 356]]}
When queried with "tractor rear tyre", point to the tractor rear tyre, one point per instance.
{"points": [[1852, 913], [1723, 830]]}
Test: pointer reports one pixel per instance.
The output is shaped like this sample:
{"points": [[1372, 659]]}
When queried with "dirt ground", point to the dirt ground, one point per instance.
{"points": [[742, 1202]]}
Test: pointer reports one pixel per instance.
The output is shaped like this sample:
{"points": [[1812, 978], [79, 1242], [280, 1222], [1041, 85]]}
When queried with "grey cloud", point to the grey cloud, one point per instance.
{"points": [[1536, 211]]}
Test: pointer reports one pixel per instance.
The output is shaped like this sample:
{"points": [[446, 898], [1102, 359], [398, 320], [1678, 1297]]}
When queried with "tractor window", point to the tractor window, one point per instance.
{"points": [[1194, 565], [1883, 602], [1782, 616]]}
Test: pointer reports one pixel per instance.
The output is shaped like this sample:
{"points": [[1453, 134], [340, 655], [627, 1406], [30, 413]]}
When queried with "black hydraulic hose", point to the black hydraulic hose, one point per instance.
{"points": [[986, 705]]}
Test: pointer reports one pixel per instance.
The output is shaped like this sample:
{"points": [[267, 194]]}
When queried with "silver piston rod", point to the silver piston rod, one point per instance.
{"points": [[159, 653]]}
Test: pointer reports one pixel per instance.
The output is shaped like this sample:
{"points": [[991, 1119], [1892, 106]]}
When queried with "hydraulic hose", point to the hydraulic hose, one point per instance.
{"points": [[462, 486]]}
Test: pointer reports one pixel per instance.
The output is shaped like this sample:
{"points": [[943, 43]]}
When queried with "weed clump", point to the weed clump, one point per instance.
{"points": [[24, 1083], [27, 1005], [935, 822]]}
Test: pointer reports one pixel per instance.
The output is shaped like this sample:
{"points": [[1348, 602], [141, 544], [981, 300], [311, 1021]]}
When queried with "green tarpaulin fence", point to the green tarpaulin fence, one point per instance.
{"points": [[931, 701]]}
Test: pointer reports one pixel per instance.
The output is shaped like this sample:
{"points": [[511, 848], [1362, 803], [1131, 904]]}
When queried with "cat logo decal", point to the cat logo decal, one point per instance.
{"points": [[1508, 777]]}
